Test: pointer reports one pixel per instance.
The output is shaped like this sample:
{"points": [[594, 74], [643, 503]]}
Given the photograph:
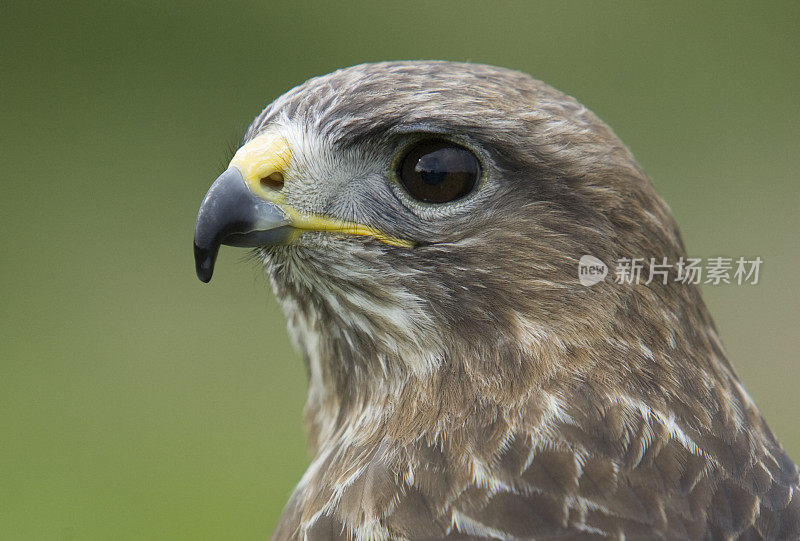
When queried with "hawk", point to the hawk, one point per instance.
{"points": [[421, 224]]}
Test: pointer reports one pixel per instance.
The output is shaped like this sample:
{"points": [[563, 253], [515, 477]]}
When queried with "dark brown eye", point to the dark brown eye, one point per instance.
{"points": [[439, 171]]}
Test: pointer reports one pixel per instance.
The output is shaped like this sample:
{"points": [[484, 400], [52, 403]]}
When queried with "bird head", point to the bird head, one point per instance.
{"points": [[413, 213]]}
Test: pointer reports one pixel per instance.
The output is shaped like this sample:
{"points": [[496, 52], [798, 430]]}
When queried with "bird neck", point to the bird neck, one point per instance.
{"points": [[370, 379]]}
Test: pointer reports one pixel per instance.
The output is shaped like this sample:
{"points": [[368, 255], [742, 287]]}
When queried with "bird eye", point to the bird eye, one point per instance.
{"points": [[439, 171]]}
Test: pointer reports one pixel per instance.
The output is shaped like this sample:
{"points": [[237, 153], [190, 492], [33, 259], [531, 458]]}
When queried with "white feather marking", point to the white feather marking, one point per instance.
{"points": [[470, 526], [666, 419]]}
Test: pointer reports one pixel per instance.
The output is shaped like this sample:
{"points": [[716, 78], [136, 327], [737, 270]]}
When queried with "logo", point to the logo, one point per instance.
{"points": [[591, 270]]}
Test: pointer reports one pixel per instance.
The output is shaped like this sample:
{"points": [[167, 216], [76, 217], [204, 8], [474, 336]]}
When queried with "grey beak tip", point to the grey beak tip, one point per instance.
{"points": [[204, 259]]}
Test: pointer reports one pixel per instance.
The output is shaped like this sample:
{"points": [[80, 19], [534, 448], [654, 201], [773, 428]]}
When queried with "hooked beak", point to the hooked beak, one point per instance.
{"points": [[231, 214], [246, 207]]}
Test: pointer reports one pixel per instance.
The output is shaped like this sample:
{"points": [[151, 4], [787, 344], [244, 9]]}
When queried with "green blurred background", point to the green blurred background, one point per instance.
{"points": [[138, 403]]}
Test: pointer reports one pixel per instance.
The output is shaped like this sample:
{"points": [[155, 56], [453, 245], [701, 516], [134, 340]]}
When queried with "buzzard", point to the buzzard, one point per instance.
{"points": [[421, 224]]}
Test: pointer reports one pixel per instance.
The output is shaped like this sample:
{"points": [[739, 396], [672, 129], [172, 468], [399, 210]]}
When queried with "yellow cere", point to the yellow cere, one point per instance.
{"points": [[270, 153], [261, 157]]}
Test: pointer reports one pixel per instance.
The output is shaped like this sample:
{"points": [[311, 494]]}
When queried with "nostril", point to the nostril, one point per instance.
{"points": [[273, 181]]}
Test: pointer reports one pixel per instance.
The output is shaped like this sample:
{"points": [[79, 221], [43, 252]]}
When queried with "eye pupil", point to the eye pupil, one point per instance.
{"points": [[430, 176], [439, 171]]}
